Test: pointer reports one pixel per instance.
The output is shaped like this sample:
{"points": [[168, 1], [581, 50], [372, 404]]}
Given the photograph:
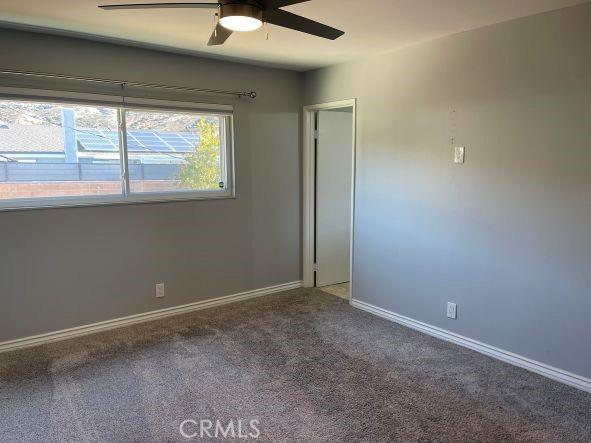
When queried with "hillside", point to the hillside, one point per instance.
{"points": [[42, 114]]}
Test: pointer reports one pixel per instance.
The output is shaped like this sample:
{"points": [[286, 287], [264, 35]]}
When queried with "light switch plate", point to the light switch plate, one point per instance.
{"points": [[459, 155], [159, 290], [452, 310]]}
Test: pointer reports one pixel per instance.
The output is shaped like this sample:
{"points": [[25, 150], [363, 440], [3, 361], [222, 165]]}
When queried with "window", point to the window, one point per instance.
{"points": [[69, 154], [163, 154], [49, 150]]}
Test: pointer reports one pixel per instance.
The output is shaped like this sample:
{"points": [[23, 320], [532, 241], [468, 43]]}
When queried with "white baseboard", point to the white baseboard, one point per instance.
{"points": [[79, 331], [560, 375]]}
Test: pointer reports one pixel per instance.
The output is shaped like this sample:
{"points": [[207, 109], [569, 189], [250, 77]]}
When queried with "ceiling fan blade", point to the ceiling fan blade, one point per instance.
{"points": [[160, 6], [274, 4], [286, 19], [219, 35]]}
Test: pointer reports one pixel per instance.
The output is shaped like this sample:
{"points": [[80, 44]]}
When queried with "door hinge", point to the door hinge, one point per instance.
{"points": [[315, 267], [316, 134]]}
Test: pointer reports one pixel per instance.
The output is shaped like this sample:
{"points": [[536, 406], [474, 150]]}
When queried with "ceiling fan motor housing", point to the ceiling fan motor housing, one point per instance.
{"points": [[244, 9]]}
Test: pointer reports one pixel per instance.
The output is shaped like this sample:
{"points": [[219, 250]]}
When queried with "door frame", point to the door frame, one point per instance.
{"points": [[309, 188]]}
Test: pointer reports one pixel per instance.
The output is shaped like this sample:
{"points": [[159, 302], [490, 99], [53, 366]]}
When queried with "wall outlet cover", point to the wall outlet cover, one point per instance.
{"points": [[159, 290]]}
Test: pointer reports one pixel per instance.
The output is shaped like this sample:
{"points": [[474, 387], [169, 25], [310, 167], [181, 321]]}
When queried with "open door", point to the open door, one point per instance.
{"points": [[333, 195]]}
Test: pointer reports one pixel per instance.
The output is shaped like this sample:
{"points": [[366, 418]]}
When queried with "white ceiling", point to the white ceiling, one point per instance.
{"points": [[371, 26]]}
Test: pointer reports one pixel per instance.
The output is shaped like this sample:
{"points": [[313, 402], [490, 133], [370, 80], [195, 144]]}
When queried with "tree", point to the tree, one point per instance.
{"points": [[202, 167]]}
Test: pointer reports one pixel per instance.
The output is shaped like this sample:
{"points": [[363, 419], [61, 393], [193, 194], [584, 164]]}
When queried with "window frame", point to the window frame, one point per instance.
{"points": [[121, 105]]}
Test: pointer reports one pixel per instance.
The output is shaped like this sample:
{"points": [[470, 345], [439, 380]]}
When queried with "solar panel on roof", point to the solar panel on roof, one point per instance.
{"points": [[181, 144], [184, 149], [169, 136], [138, 141], [112, 135], [96, 140], [146, 136], [133, 143], [189, 136]]}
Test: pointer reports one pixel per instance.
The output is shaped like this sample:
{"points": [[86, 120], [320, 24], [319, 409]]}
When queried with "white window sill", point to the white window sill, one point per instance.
{"points": [[110, 200]]}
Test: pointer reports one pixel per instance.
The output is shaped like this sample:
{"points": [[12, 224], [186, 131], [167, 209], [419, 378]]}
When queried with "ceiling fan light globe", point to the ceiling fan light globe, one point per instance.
{"points": [[240, 23], [241, 16]]}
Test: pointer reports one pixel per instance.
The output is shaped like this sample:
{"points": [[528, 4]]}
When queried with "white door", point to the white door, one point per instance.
{"points": [[333, 196]]}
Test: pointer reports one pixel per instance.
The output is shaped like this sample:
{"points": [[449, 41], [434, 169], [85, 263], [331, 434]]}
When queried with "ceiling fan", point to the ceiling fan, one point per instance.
{"points": [[245, 15]]}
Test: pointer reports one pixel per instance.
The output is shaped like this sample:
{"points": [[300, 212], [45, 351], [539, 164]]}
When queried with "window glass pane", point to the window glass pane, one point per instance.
{"points": [[170, 151], [52, 150]]}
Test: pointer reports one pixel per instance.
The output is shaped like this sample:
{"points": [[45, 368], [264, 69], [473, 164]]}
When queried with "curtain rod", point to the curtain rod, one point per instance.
{"points": [[124, 83]]}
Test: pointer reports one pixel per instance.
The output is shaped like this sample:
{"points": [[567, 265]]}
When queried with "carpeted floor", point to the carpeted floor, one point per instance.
{"points": [[304, 364]]}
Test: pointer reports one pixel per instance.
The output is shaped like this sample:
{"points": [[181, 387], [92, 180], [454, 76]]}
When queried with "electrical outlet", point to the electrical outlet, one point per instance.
{"points": [[452, 310], [459, 155], [159, 290]]}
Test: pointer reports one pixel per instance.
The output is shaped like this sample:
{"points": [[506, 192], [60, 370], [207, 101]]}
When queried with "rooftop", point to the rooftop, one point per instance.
{"points": [[31, 138], [51, 139]]}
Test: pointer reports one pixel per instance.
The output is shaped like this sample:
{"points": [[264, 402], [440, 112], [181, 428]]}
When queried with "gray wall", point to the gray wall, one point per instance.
{"points": [[507, 235], [61, 268]]}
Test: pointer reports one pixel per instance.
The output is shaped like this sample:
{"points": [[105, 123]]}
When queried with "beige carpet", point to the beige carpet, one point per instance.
{"points": [[306, 365]]}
